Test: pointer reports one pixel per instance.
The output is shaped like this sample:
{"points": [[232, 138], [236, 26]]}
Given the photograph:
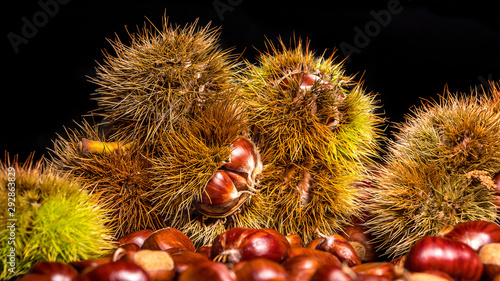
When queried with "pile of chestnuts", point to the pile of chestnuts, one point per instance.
{"points": [[468, 251]]}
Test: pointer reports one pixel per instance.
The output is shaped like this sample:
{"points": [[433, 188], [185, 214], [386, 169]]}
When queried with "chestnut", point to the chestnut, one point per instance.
{"points": [[210, 270], [301, 267], [114, 271], [330, 273], [170, 239], [184, 260], [475, 233], [219, 197], [54, 270], [339, 247], [85, 265], [159, 265], [369, 277], [240, 243], [205, 250], [260, 270], [385, 269], [314, 243], [245, 160], [321, 256], [123, 249], [444, 254], [34, 277], [295, 240], [432, 275], [136, 237], [490, 256], [361, 241]]}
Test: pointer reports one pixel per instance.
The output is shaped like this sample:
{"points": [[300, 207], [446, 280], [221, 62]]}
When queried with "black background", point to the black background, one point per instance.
{"points": [[421, 50]]}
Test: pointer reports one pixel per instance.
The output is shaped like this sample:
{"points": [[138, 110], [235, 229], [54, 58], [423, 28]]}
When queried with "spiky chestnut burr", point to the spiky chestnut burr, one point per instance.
{"points": [[206, 174], [317, 129], [438, 171], [50, 217], [116, 173], [164, 73]]}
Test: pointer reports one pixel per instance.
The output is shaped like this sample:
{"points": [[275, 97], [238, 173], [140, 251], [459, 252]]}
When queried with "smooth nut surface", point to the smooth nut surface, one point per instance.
{"points": [[475, 233], [214, 271], [136, 237], [260, 269], [55, 270], [490, 256], [450, 256], [168, 238], [339, 247], [240, 243]]}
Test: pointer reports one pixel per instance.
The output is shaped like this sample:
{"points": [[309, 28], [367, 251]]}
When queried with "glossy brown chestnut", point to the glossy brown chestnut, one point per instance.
{"points": [[475, 233], [361, 241], [34, 277], [295, 240], [373, 278], [245, 159], [339, 247], [219, 197], [86, 265], [444, 254], [184, 260], [330, 273], [432, 275], [214, 271], [260, 270], [314, 243], [239, 244], [168, 238], [490, 256], [231, 185], [205, 250], [385, 269], [114, 271], [321, 256], [136, 237], [123, 249], [54, 270], [301, 267], [158, 264]]}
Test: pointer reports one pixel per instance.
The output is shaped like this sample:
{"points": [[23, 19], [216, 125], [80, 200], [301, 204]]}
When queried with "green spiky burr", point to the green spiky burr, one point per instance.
{"points": [[317, 130], [438, 170], [53, 219]]}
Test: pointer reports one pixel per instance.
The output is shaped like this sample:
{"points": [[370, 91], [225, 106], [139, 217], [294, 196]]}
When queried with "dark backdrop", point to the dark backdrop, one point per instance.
{"points": [[404, 50]]}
